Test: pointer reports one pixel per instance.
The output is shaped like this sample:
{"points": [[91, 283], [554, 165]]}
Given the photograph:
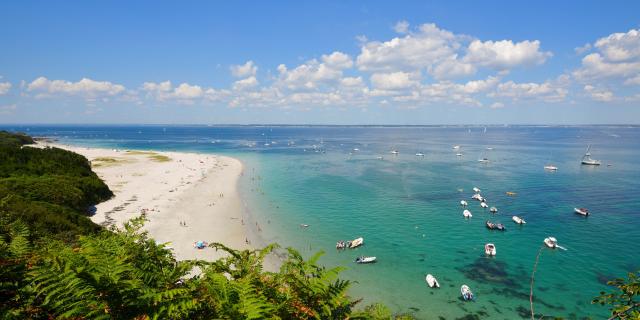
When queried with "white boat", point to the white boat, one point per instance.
{"points": [[476, 189], [484, 160], [489, 148], [551, 242], [463, 203], [490, 249], [484, 204], [364, 259], [518, 220], [466, 292], [493, 209], [355, 243], [586, 159], [356, 149], [432, 281], [459, 154], [456, 147], [467, 214], [394, 152], [380, 157], [582, 211], [419, 154], [478, 197], [551, 168]]}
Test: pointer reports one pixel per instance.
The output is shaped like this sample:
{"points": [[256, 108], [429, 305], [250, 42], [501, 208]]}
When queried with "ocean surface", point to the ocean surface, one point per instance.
{"points": [[407, 207]]}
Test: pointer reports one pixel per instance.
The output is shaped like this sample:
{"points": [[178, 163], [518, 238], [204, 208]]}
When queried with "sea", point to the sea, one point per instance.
{"points": [[344, 183]]}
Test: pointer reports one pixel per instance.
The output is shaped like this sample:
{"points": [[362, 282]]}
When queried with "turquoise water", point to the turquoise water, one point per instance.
{"points": [[407, 207]]}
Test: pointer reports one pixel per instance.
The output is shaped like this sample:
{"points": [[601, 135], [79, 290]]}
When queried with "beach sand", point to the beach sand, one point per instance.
{"points": [[188, 197]]}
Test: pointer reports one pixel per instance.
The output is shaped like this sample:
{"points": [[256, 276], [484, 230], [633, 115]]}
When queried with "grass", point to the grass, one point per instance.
{"points": [[152, 155], [108, 162], [159, 158]]}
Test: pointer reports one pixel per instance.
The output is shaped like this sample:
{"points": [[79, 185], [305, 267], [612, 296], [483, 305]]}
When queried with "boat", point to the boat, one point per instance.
{"points": [[364, 259], [518, 220], [355, 243], [432, 281], [456, 147], [510, 193], [489, 148], [582, 211], [380, 157], [495, 226], [586, 159], [493, 209], [483, 160], [466, 292], [356, 149], [490, 249], [467, 214], [459, 154], [484, 204], [478, 197], [302, 225], [476, 189], [341, 244], [419, 154], [551, 242], [551, 167], [463, 203], [394, 152]]}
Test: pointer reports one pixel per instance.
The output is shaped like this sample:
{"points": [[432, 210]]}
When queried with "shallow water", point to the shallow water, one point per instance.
{"points": [[407, 207]]}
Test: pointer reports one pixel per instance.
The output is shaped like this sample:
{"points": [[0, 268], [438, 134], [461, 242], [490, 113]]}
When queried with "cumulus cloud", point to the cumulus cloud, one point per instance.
{"points": [[598, 94], [86, 88], [547, 91], [245, 70], [394, 80], [401, 27], [245, 83], [617, 57], [4, 87], [505, 54], [183, 93], [313, 74]]}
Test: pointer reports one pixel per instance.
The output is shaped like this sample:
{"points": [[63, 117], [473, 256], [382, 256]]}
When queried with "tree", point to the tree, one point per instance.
{"points": [[624, 302]]}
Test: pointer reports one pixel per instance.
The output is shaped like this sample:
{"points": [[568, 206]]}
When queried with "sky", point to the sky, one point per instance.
{"points": [[320, 62]]}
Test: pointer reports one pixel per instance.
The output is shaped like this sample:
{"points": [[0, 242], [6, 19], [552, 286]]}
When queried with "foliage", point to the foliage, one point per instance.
{"points": [[624, 303], [14, 139]]}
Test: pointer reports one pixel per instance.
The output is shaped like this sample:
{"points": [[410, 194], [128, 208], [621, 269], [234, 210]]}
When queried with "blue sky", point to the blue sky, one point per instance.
{"points": [[331, 62]]}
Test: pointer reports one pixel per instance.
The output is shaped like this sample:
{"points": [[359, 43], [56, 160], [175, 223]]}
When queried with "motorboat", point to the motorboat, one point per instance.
{"points": [[467, 214], [380, 157], [419, 154], [466, 292], [395, 152], [478, 197], [459, 154], [493, 209], [484, 204], [490, 249], [586, 159], [456, 147], [302, 225], [364, 259], [582, 211], [511, 193], [551, 242], [355, 243], [356, 149], [432, 281], [463, 203], [551, 167], [495, 226], [484, 160], [476, 189], [518, 220]]}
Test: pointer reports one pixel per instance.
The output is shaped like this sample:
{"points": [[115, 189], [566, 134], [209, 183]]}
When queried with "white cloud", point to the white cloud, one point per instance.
{"points": [[599, 94], [617, 57], [337, 60], [164, 91], [4, 87], [245, 83], [8, 109], [245, 70], [394, 80], [187, 91], [86, 88], [505, 54], [496, 105], [582, 50], [547, 91], [401, 27]]}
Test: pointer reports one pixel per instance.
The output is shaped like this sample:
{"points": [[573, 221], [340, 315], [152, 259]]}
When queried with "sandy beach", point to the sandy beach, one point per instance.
{"points": [[188, 197]]}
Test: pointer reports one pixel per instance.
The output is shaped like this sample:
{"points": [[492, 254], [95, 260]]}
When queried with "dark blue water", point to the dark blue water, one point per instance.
{"points": [[407, 207]]}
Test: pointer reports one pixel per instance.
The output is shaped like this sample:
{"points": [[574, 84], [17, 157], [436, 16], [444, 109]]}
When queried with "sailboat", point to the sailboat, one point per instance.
{"points": [[586, 159]]}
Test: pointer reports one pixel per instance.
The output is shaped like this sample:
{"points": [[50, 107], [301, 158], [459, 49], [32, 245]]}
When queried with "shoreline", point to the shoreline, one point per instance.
{"points": [[187, 197]]}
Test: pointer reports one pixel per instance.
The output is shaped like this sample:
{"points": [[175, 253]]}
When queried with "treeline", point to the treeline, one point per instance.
{"points": [[57, 264]]}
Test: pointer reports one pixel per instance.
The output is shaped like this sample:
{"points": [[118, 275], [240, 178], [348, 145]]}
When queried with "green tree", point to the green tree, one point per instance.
{"points": [[624, 302]]}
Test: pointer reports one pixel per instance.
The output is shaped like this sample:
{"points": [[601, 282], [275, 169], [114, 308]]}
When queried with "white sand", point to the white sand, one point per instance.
{"points": [[200, 190]]}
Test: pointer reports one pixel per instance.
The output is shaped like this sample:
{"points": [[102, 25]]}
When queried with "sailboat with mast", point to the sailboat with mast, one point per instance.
{"points": [[586, 159]]}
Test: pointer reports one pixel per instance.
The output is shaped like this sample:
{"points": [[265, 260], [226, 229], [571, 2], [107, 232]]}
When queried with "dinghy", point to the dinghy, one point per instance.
{"points": [[466, 292], [355, 243], [493, 209], [432, 281], [551, 168], [467, 214], [484, 205], [551, 242], [490, 249], [463, 203], [476, 189], [518, 220], [582, 211], [364, 259], [495, 226], [478, 197], [419, 154]]}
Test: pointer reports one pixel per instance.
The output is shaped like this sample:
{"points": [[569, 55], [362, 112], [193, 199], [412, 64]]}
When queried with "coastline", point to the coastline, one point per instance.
{"points": [[187, 197]]}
